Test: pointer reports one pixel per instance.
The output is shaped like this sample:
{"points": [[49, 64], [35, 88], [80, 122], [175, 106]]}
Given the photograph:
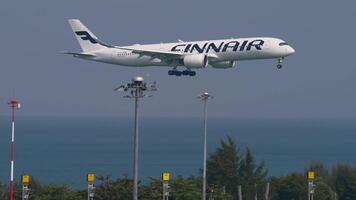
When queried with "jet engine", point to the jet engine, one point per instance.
{"points": [[223, 64], [195, 61]]}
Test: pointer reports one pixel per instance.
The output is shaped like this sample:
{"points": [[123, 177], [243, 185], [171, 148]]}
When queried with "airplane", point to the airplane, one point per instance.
{"points": [[221, 54]]}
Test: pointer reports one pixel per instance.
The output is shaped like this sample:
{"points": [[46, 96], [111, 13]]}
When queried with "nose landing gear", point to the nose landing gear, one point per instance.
{"points": [[280, 61]]}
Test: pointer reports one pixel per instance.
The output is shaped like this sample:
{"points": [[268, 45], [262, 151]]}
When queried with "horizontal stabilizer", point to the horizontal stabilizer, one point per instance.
{"points": [[78, 54]]}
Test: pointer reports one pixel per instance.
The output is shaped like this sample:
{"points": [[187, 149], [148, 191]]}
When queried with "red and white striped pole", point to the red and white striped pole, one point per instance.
{"points": [[14, 104]]}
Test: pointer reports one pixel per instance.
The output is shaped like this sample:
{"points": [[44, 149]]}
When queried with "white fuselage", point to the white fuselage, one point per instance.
{"points": [[218, 50]]}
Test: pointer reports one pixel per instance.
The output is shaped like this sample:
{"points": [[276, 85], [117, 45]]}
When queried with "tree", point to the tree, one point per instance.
{"points": [[218, 193], [4, 194], [293, 187], [350, 191], [153, 190], [186, 188], [58, 191], [253, 176], [223, 166], [323, 191], [275, 186], [343, 179], [119, 189]]}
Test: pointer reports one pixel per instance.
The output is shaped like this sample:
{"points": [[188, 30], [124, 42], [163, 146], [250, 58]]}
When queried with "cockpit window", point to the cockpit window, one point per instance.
{"points": [[283, 44]]}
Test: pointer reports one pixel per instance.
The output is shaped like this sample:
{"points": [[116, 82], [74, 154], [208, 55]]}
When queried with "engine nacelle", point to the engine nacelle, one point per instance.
{"points": [[195, 61], [223, 64]]}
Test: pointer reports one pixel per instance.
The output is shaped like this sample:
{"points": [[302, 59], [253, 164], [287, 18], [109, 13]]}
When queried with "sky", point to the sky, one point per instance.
{"points": [[316, 82]]}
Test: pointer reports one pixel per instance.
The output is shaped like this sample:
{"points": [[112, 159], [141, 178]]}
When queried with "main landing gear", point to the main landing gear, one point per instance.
{"points": [[175, 72], [280, 61]]}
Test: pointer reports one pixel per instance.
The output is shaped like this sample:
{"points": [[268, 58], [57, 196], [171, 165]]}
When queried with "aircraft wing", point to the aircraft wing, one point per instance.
{"points": [[153, 52], [145, 52], [166, 54]]}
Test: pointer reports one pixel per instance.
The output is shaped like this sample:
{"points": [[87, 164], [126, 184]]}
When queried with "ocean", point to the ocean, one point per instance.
{"points": [[64, 149]]}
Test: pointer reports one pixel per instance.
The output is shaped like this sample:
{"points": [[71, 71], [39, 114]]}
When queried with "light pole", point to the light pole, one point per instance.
{"points": [[137, 87], [205, 97], [14, 104]]}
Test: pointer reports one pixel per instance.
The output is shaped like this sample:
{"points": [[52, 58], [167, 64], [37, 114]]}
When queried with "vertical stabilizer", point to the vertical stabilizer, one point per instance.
{"points": [[87, 40]]}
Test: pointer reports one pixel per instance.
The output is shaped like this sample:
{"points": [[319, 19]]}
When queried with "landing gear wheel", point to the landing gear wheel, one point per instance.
{"points": [[171, 72], [279, 66], [192, 73], [178, 73], [185, 72]]}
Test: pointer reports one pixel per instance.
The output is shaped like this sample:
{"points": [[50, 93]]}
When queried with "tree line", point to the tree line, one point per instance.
{"points": [[227, 170]]}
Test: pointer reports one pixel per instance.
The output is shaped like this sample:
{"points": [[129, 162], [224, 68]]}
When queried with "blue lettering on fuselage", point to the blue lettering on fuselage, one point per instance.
{"points": [[214, 47], [219, 47], [232, 44], [243, 45], [256, 43], [175, 48], [187, 48], [198, 48]]}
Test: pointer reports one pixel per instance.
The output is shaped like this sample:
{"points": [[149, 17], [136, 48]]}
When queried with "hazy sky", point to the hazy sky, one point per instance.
{"points": [[318, 81]]}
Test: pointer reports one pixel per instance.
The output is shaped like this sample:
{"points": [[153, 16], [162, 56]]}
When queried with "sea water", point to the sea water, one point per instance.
{"points": [[64, 149]]}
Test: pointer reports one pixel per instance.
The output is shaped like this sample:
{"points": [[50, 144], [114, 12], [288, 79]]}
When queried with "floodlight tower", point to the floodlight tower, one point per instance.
{"points": [[14, 104], [205, 97], [137, 87]]}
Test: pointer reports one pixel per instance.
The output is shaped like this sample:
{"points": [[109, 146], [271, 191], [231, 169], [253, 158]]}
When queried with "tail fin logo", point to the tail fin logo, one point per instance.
{"points": [[86, 36]]}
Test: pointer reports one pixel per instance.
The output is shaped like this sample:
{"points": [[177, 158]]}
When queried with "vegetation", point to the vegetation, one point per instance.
{"points": [[227, 169]]}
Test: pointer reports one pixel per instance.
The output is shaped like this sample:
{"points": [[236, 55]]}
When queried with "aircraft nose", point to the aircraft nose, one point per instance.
{"points": [[290, 50]]}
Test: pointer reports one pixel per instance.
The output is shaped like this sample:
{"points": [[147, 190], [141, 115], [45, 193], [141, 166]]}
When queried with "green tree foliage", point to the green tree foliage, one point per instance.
{"points": [[186, 188], [153, 190], [350, 191], [48, 192], [119, 189], [4, 191], [323, 191], [293, 187], [228, 169], [58, 191], [253, 176], [275, 185], [223, 166], [343, 180], [218, 193]]}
